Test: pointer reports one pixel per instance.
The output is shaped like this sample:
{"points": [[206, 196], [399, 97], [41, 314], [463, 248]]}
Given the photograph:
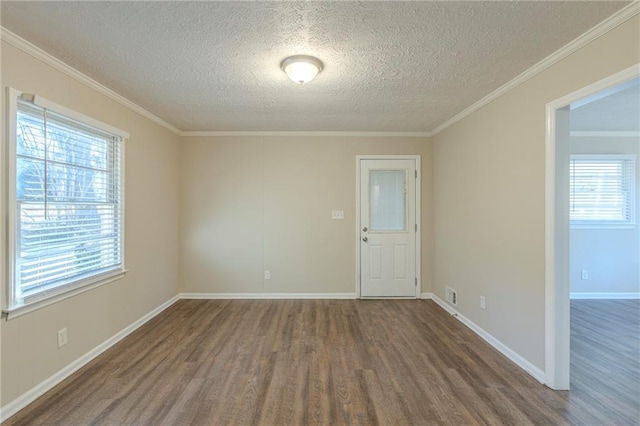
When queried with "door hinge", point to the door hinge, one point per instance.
{"points": [[416, 173], [416, 281], [416, 227]]}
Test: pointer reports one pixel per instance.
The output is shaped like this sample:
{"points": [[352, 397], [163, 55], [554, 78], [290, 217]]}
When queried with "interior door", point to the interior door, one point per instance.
{"points": [[388, 228]]}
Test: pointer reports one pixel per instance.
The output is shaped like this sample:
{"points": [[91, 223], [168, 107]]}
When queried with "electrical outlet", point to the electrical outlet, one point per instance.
{"points": [[62, 337], [337, 214], [585, 274], [483, 302], [267, 275]]}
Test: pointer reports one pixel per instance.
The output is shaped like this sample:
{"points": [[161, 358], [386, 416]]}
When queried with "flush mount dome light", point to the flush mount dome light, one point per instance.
{"points": [[301, 69]]}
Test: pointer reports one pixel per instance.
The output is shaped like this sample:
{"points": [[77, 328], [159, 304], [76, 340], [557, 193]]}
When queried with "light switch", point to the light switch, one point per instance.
{"points": [[337, 214]]}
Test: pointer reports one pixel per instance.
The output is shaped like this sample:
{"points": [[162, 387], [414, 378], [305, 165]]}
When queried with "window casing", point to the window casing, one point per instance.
{"points": [[65, 202], [602, 190]]}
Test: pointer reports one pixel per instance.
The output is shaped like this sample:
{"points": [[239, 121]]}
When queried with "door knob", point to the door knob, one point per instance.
{"points": [[365, 229], [365, 239]]}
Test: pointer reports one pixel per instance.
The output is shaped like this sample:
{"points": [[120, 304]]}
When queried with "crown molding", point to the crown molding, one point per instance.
{"points": [[31, 49], [602, 28], [605, 26], [307, 133]]}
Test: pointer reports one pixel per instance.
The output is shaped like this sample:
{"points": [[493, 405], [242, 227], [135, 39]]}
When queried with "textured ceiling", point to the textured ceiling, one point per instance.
{"points": [[389, 66], [616, 109]]}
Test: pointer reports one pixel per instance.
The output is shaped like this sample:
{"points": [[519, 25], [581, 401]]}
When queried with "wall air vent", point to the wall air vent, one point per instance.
{"points": [[451, 296]]}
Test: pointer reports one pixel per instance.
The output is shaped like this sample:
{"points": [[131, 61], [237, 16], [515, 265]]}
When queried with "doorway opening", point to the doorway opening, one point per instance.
{"points": [[591, 190]]}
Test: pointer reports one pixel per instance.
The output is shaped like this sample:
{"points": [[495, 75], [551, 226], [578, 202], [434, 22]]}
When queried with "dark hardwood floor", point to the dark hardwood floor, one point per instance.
{"points": [[264, 362]]}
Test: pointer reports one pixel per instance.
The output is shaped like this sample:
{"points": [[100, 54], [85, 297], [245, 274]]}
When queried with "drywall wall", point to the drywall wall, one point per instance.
{"points": [[610, 256], [29, 352], [256, 203], [489, 196]]}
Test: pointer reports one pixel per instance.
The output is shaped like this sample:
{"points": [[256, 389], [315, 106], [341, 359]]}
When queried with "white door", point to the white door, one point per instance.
{"points": [[388, 228]]}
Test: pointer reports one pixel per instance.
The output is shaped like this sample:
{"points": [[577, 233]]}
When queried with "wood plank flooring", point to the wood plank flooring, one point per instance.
{"points": [[329, 362], [605, 356]]}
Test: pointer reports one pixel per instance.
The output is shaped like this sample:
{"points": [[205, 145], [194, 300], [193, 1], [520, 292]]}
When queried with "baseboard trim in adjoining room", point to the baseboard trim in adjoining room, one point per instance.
{"points": [[267, 295], [584, 295], [40, 389], [531, 369]]}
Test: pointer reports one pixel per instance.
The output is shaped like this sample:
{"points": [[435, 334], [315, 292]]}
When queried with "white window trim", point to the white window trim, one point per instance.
{"points": [[604, 224], [14, 308]]}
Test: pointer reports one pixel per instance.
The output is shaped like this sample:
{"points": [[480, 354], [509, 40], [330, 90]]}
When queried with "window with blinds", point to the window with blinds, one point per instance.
{"points": [[602, 190], [68, 201]]}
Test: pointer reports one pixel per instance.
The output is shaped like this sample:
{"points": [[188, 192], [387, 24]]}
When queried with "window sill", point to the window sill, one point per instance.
{"points": [[62, 294], [603, 226]]}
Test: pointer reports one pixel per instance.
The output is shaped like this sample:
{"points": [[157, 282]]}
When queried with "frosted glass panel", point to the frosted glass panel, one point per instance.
{"points": [[388, 200]]}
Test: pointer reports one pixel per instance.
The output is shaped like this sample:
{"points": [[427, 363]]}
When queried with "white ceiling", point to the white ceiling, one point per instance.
{"points": [[389, 66], [613, 110]]}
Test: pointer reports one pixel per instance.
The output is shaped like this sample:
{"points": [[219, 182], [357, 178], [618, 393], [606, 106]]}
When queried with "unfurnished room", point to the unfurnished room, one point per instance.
{"points": [[320, 212]]}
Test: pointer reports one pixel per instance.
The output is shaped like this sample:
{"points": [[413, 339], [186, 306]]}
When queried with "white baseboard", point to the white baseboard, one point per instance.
{"points": [[32, 394], [22, 401], [534, 371], [267, 295], [604, 295], [450, 309]]}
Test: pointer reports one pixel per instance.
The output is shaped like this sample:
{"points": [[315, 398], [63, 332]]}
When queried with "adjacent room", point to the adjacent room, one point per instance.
{"points": [[602, 141], [320, 212]]}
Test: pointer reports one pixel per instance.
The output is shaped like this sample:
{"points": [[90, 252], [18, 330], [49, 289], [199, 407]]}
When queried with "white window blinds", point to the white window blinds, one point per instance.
{"points": [[68, 200], [602, 189]]}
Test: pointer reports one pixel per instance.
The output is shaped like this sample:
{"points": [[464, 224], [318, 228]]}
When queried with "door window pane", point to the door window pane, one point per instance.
{"points": [[388, 199]]}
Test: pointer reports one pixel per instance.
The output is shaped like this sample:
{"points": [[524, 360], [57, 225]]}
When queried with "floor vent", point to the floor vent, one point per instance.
{"points": [[451, 296]]}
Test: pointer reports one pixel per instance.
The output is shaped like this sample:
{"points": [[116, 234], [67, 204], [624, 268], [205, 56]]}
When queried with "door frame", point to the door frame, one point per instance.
{"points": [[418, 208], [557, 288]]}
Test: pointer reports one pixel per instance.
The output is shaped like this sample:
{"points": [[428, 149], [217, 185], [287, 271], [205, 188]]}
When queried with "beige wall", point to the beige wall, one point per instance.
{"points": [[489, 198], [29, 353], [238, 205], [254, 203]]}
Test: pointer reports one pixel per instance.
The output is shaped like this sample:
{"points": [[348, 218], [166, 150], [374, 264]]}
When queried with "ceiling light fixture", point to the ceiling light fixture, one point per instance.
{"points": [[301, 69]]}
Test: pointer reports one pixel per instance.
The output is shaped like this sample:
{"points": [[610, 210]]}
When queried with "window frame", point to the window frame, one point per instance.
{"points": [[14, 306], [631, 195]]}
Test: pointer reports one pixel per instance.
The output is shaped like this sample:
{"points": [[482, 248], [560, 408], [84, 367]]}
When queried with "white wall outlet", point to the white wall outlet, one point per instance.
{"points": [[585, 274], [483, 302], [62, 337], [267, 275], [337, 214]]}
